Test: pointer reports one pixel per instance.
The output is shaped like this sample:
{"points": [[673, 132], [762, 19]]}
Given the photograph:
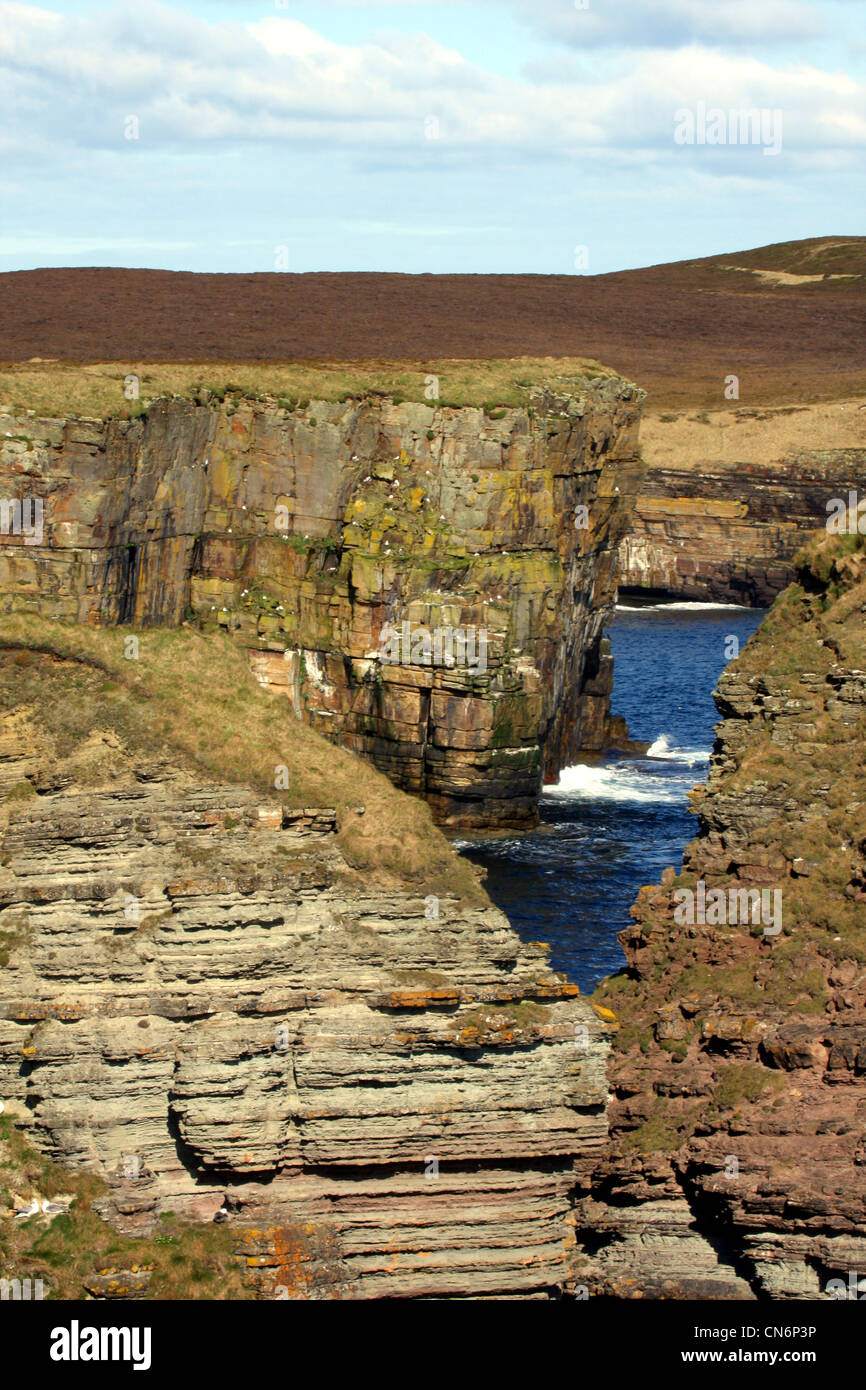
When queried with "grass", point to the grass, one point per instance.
{"points": [[188, 1260], [729, 435], [811, 256], [666, 1129], [745, 1083], [487, 1018], [95, 390], [191, 697]]}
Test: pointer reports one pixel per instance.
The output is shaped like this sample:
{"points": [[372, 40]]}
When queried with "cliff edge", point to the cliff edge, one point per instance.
{"points": [[255, 1007], [737, 1165], [427, 585]]}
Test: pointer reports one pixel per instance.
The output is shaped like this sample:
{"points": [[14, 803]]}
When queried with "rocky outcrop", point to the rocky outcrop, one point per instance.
{"points": [[427, 585], [727, 501], [736, 1166], [377, 1089], [381, 1092]]}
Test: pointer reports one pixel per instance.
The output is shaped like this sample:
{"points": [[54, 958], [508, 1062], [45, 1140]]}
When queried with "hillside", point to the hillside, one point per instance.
{"points": [[189, 696], [677, 329]]}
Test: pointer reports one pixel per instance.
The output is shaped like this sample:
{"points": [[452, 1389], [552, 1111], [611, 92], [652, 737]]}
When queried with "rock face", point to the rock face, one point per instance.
{"points": [[736, 1165], [382, 1093], [427, 585], [728, 531]]}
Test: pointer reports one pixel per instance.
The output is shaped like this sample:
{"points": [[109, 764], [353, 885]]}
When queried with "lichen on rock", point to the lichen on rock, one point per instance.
{"points": [[309, 544]]}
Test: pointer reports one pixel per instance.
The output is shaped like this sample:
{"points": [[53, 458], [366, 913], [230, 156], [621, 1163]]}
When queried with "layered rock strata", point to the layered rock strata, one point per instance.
{"points": [[381, 1092], [329, 538], [737, 1166], [728, 530]]}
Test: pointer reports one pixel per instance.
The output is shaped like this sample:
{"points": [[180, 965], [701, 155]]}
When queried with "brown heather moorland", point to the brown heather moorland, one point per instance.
{"points": [[787, 319]]}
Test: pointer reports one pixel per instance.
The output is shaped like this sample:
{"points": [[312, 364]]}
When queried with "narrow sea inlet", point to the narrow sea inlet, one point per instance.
{"points": [[609, 827]]}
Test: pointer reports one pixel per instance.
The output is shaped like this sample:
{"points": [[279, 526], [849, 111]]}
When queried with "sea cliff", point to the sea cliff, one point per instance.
{"points": [[216, 1002], [314, 531], [736, 1160], [727, 496]]}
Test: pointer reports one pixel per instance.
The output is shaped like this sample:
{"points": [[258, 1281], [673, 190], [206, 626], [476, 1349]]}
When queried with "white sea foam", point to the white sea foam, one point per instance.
{"points": [[701, 607], [662, 748], [625, 781], [682, 606]]}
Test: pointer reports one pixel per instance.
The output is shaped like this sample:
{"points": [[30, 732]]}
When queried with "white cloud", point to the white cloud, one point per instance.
{"points": [[195, 86]]}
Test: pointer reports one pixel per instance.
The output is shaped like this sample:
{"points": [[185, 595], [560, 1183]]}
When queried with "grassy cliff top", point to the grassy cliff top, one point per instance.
{"points": [[744, 434], [96, 390], [190, 697]]}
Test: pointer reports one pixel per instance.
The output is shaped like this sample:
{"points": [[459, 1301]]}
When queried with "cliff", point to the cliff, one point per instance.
{"points": [[736, 1166], [277, 1009], [727, 497], [332, 540], [363, 1078]]}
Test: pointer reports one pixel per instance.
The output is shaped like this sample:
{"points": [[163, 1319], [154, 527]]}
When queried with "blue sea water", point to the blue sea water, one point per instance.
{"points": [[609, 827]]}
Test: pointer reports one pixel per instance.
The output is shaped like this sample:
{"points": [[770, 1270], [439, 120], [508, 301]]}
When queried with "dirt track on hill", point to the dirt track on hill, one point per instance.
{"points": [[678, 330]]}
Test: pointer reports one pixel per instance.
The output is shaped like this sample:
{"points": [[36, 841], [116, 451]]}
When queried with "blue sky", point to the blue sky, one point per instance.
{"points": [[458, 136]]}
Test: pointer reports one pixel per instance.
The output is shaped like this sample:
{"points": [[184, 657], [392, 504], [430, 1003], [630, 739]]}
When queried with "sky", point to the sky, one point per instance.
{"points": [[539, 136]]}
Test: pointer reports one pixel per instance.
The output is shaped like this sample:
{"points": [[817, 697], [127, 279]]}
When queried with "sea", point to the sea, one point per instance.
{"points": [[611, 825]]}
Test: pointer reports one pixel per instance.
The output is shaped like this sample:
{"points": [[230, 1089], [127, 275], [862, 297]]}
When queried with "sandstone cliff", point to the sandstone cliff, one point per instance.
{"points": [[299, 1014], [728, 497], [312, 530], [366, 1077], [737, 1165]]}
